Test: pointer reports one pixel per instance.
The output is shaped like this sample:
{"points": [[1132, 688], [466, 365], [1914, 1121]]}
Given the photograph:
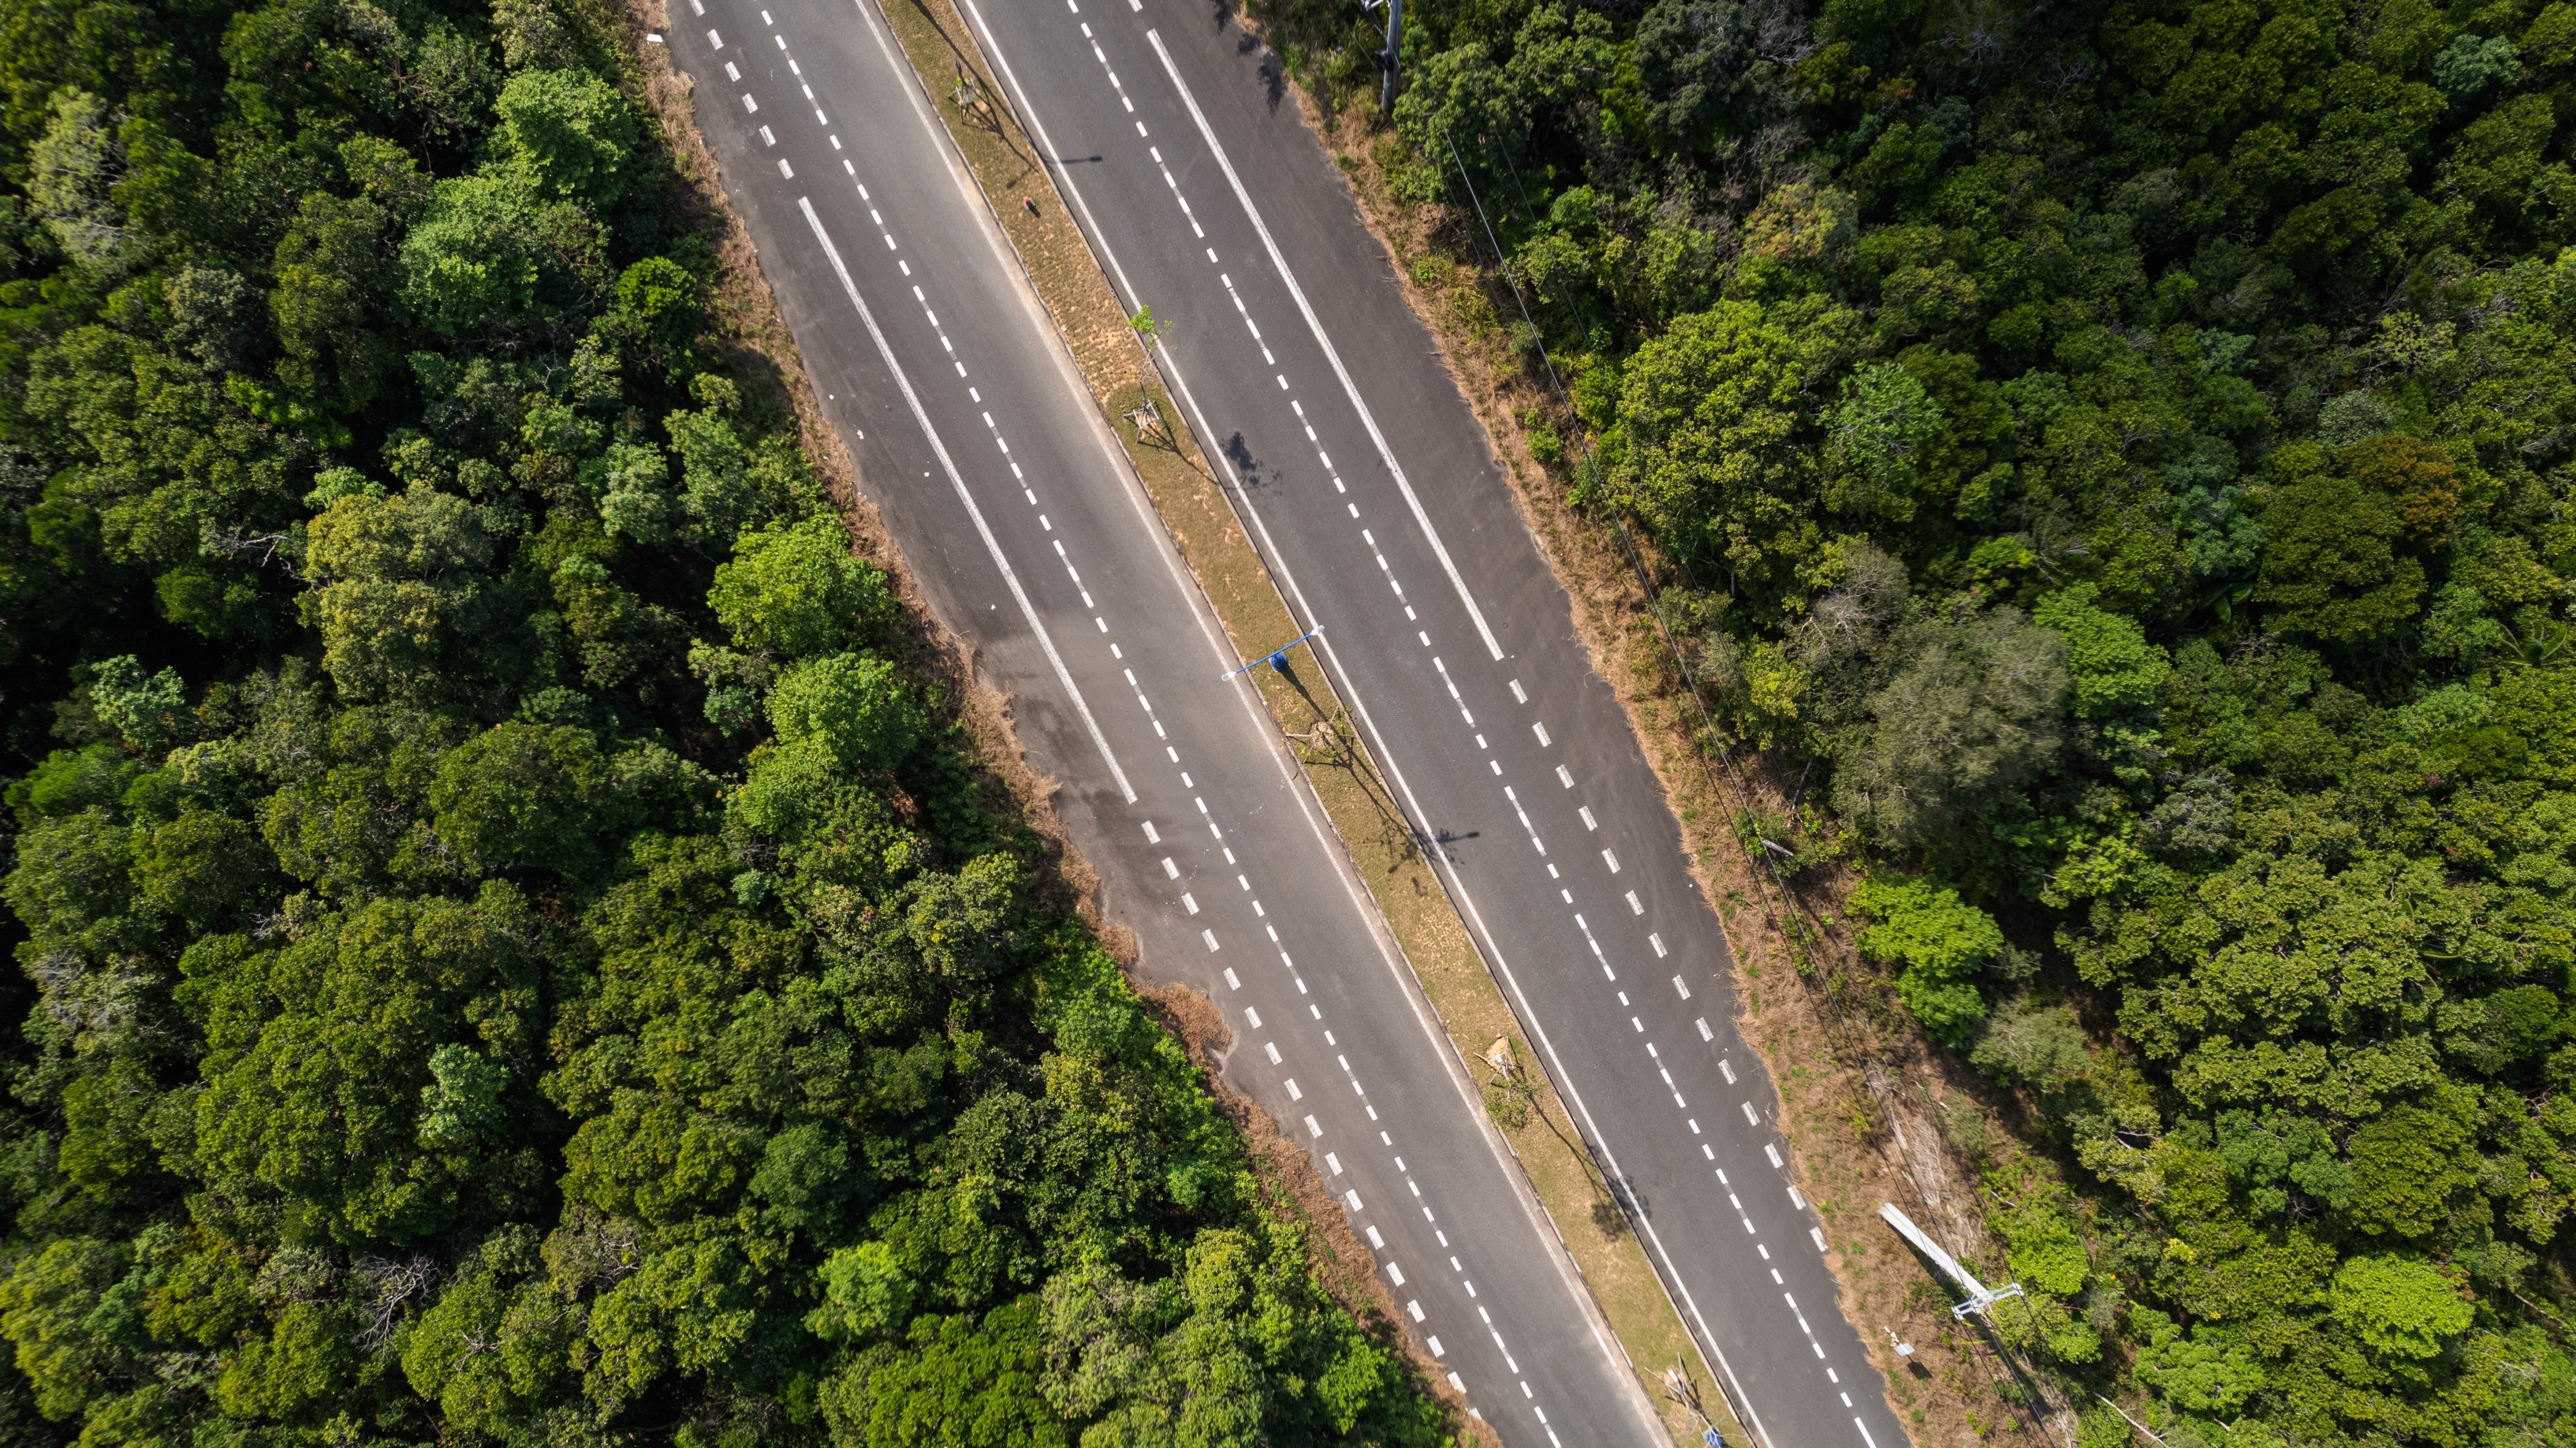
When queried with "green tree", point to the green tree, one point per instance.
{"points": [[2407, 1170], [398, 590], [2108, 659], [851, 706], [1874, 439], [492, 1350], [1706, 433], [469, 264], [660, 301], [866, 1295], [635, 500], [462, 1100], [333, 278], [318, 1056], [145, 712], [569, 133], [2200, 1374], [1940, 941], [75, 167], [720, 495], [1972, 713], [2401, 1306], [54, 1307], [300, 1370], [522, 796], [1696, 62], [206, 869], [795, 589], [956, 1383], [533, 36], [2330, 566]]}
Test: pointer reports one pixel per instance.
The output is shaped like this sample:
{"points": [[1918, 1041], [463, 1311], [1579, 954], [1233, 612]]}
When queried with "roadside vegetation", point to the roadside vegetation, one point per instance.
{"points": [[2115, 466], [518, 942]]}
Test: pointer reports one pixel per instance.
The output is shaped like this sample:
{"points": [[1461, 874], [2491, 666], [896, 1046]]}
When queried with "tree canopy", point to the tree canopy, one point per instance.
{"points": [[2121, 458], [515, 944]]}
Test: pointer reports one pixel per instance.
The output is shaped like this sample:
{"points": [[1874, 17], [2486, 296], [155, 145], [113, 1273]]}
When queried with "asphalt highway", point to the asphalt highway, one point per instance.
{"points": [[1031, 538], [1375, 496]]}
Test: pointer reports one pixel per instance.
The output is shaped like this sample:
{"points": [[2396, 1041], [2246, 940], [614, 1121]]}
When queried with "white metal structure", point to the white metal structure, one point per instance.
{"points": [[1980, 1296]]}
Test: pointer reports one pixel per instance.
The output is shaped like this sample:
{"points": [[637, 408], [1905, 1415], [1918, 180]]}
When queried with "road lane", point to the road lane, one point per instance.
{"points": [[1374, 495], [1029, 536]]}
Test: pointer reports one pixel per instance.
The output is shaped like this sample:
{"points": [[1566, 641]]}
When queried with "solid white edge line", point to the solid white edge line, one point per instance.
{"points": [[984, 530], [1315, 324], [1671, 1275], [1390, 953]]}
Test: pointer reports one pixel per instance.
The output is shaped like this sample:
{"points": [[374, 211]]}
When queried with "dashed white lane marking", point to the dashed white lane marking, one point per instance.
{"points": [[983, 529], [1314, 324]]}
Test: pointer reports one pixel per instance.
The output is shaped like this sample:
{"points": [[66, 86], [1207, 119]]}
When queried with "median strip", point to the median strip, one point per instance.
{"points": [[1110, 351]]}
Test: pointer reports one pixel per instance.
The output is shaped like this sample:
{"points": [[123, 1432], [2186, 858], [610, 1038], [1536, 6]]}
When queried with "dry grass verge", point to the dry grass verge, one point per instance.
{"points": [[1191, 499]]}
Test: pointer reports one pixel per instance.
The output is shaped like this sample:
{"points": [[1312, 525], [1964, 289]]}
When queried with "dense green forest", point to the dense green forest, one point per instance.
{"points": [[2122, 456], [515, 945]]}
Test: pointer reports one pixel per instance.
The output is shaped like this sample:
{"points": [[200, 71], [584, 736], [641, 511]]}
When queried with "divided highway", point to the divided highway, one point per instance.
{"points": [[1031, 538], [1374, 496]]}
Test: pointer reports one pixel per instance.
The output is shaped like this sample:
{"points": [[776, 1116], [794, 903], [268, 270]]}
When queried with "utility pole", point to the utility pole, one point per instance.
{"points": [[1981, 1298], [1386, 59]]}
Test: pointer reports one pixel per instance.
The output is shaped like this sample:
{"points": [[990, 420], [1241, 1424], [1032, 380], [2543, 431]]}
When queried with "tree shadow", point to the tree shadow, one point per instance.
{"points": [[1274, 79], [1338, 750], [1238, 455]]}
